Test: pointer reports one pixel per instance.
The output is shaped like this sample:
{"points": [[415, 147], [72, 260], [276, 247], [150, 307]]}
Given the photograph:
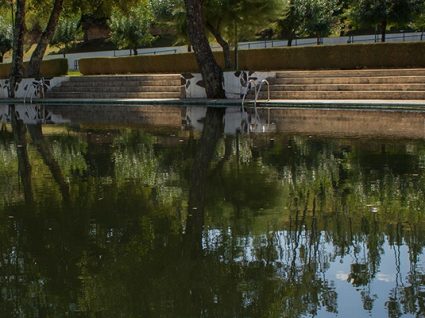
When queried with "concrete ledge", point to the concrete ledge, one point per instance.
{"points": [[408, 105]]}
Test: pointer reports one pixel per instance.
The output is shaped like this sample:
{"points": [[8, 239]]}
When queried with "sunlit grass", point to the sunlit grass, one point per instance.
{"points": [[29, 49], [74, 73]]}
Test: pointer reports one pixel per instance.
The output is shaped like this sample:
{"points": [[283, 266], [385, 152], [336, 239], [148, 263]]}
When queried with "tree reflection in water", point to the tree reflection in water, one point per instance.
{"points": [[131, 223]]}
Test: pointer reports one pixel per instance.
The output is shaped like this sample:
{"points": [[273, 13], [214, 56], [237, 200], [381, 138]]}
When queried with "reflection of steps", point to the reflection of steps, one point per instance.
{"points": [[348, 84], [120, 86], [122, 116]]}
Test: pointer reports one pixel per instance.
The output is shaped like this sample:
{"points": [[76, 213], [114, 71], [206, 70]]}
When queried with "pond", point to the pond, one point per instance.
{"points": [[173, 212]]}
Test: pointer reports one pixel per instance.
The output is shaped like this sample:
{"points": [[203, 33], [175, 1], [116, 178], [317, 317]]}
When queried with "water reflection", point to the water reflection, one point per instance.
{"points": [[235, 119], [146, 222]]}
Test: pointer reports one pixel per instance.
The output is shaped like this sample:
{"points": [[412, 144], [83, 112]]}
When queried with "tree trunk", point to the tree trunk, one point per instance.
{"points": [[135, 51], [211, 72], [37, 56], [17, 70], [383, 30], [223, 43], [290, 41], [1, 58]]}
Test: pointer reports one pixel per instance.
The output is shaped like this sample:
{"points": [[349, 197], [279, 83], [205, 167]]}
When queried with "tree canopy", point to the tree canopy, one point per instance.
{"points": [[5, 37], [66, 32], [132, 30], [382, 13]]}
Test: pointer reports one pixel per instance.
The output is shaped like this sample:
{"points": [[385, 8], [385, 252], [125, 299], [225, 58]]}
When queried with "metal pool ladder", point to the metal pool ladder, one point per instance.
{"points": [[257, 89], [37, 86], [255, 124]]}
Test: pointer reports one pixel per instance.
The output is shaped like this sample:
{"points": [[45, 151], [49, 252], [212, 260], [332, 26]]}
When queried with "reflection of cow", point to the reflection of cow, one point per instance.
{"points": [[31, 114], [235, 120]]}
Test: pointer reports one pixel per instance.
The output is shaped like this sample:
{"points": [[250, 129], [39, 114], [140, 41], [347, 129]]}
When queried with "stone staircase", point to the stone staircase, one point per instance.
{"points": [[121, 86], [348, 84]]}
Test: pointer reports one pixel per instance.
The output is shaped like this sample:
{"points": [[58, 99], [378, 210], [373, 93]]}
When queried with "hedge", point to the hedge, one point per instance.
{"points": [[347, 56], [172, 63], [49, 68]]}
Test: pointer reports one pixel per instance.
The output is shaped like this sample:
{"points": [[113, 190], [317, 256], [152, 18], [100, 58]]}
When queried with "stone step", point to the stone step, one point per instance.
{"points": [[128, 78], [145, 86], [120, 89], [350, 80], [156, 82], [349, 87], [352, 73], [94, 95], [343, 95]]}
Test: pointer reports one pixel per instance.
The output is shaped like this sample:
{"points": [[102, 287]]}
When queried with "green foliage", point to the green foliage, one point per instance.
{"points": [[5, 37], [367, 13], [132, 30], [419, 22], [67, 31], [37, 14], [179, 23], [251, 16], [163, 9], [319, 17], [290, 25], [102, 8], [309, 18]]}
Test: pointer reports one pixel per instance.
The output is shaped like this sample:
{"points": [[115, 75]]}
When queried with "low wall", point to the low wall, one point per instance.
{"points": [[349, 56], [27, 87], [235, 83]]}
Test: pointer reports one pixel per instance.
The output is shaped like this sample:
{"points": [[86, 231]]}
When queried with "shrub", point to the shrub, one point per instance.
{"points": [[351, 56], [49, 68], [173, 63], [348, 56]]}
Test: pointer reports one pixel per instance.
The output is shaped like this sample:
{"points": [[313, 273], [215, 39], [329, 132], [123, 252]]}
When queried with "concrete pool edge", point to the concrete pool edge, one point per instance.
{"points": [[412, 105]]}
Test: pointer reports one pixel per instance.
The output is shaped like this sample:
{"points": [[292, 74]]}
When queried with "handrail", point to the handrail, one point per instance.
{"points": [[264, 81], [256, 92], [158, 52], [248, 88], [153, 52]]}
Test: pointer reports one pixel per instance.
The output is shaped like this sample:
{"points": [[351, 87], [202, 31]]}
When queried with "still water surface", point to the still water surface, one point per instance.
{"points": [[105, 220]]}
